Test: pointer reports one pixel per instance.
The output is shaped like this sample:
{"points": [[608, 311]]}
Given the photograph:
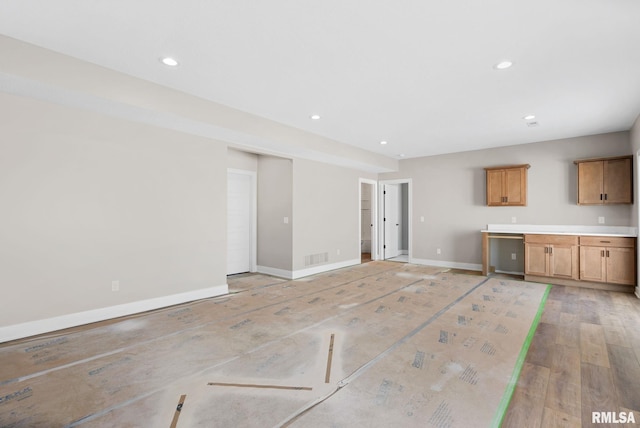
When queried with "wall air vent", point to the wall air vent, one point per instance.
{"points": [[316, 259]]}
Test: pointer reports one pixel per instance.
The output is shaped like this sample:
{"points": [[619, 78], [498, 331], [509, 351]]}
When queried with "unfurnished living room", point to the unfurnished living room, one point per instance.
{"points": [[319, 214]]}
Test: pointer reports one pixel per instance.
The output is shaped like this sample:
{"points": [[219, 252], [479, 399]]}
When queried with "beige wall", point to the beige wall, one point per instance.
{"points": [[238, 159], [321, 202], [275, 242], [326, 212], [88, 199], [449, 191]]}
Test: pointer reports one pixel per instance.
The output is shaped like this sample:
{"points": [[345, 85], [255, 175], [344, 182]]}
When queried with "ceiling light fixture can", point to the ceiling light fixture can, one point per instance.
{"points": [[315, 117], [171, 62], [383, 142], [529, 117], [504, 64]]}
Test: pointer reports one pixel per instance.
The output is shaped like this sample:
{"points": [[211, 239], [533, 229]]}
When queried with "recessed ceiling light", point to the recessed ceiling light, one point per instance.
{"points": [[529, 117], [401, 155], [383, 142], [503, 64], [315, 117], [169, 61]]}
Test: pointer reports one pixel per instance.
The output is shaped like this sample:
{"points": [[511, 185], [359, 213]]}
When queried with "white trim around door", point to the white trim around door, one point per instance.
{"points": [[636, 185], [380, 205]]}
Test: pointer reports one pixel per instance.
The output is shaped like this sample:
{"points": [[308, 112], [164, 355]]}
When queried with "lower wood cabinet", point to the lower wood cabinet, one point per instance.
{"points": [[605, 259], [600, 262], [553, 256]]}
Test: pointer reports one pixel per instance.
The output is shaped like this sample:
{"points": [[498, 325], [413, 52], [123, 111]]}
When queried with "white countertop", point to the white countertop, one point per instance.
{"points": [[546, 229]]}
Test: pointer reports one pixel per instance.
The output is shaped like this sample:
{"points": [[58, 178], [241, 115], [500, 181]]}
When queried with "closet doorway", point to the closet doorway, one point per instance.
{"points": [[396, 220], [368, 223]]}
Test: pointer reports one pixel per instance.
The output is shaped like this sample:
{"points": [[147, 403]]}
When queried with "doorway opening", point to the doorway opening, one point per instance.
{"points": [[368, 228], [396, 220]]}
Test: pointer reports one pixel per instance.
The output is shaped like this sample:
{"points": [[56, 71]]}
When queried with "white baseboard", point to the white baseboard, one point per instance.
{"points": [[324, 268], [32, 328], [301, 273], [442, 263], [281, 273], [637, 293]]}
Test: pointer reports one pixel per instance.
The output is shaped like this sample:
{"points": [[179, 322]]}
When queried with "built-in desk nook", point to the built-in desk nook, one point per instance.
{"points": [[602, 257]]}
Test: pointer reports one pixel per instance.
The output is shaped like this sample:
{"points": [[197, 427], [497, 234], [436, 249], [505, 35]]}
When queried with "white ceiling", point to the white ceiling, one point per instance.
{"points": [[416, 73]]}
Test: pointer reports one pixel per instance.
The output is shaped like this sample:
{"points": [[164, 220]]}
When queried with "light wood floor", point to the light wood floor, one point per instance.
{"points": [[584, 357]]}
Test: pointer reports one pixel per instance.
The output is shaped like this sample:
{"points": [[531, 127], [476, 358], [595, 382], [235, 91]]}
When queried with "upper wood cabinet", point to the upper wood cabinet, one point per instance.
{"points": [[605, 181], [507, 185]]}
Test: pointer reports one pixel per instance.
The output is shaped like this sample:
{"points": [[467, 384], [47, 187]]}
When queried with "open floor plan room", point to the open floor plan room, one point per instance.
{"points": [[319, 214]]}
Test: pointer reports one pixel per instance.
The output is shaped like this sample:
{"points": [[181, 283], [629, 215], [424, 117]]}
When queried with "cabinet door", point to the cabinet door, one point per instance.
{"points": [[590, 183], [617, 181], [621, 265], [562, 261], [536, 260], [593, 264], [507, 185], [515, 183], [494, 187]]}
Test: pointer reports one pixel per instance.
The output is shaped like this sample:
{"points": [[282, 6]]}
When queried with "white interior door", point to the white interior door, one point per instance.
{"points": [[391, 220], [239, 222]]}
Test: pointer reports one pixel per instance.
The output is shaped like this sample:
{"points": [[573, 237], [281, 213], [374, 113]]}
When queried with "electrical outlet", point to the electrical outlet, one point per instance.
{"points": [[115, 285], [513, 256], [338, 251], [438, 251], [421, 219], [601, 220], [286, 220], [513, 219]]}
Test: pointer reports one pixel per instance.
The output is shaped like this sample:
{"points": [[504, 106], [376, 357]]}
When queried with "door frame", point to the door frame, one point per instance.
{"points": [[374, 216], [392, 217], [253, 258], [636, 198], [381, 236]]}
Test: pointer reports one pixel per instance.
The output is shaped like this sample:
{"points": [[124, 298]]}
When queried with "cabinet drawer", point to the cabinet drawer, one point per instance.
{"points": [[607, 241], [551, 239]]}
